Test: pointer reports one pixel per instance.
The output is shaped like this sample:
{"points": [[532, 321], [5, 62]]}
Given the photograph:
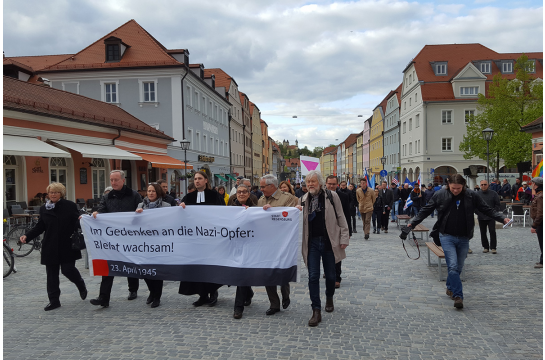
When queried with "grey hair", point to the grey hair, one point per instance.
{"points": [[243, 180], [243, 185], [270, 180], [318, 175], [121, 173]]}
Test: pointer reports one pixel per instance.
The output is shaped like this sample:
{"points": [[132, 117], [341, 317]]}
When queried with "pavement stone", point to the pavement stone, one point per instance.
{"points": [[388, 307]]}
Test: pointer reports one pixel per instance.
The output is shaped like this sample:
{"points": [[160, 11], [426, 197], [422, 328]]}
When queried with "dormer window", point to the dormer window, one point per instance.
{"points": [[531, 66], [441, 69], [485, 68], [507, 67], [115, 48]]}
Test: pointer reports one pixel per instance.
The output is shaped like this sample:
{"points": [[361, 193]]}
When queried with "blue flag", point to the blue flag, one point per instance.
{"points": [[372, 182], [407, 181]]}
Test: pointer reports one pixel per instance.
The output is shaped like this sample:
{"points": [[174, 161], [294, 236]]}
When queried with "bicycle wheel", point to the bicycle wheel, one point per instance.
{"points": [[19, 249], [9, 261]]}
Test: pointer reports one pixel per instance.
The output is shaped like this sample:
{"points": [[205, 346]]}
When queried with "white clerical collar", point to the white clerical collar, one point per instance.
{"points": [[200, 197]]}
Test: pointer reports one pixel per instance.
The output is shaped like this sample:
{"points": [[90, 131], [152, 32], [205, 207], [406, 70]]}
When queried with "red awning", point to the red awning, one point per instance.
{"points": [[163, 161]]}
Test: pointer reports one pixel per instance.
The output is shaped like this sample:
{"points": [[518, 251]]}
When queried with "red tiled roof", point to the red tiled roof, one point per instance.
{"points": [[43, 100], [222, 78], [8, 61], [328, 149], [252, 105], [398, 94], [351, 139], [144, 50], [537, 121], [38, 62]]}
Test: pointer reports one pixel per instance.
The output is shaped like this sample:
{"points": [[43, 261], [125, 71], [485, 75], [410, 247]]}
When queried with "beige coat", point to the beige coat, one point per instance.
{"points": [[337, 228], [366, 200], [278, 199]]}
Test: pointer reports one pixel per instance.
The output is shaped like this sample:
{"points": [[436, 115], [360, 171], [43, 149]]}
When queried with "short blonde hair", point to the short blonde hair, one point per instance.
{"points": [[56, 187]]}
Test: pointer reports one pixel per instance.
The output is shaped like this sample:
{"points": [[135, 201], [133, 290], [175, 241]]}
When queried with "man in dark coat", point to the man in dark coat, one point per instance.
{"points": [[417, 199], [515, 188], [167, 198], [388, 202], [331, 185], [395, 208], [505, 191], [301, 191], [492, 199], [120, 199], [428, 194], [404, 195], [352, 204]]}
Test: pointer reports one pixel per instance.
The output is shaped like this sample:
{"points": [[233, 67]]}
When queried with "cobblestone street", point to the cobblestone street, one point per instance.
{"points": [[388, 307]]}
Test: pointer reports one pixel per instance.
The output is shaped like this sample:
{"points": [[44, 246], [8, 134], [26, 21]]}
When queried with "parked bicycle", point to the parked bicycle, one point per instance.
{"points": [[23, 249], [9, 260]]}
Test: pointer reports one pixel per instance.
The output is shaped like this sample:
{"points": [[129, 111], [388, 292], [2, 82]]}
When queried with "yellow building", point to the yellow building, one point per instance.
{"points": [[359, 156], [376, 138], [327, 161]]}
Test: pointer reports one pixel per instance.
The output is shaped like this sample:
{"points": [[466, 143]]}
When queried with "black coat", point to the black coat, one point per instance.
{"points": [[404, 194], [211, 197], [345, 202], [123, 200], [169, 199], [387, 197], [418, 201], [59, 224]]}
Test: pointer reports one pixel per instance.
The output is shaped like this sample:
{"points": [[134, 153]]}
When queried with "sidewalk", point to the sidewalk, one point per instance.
{"points": [[388, 307]]}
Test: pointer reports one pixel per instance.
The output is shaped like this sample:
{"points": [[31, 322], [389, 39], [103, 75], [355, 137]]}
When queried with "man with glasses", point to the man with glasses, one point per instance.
{"points": [[273, 197], [492, 199]]}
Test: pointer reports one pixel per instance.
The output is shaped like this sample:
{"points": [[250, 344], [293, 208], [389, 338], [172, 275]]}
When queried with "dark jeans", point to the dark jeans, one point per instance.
{"points": [[377, 219], [317, 248], [539, 231], [491, 225], [243, 293], [155, 288], [338, 272], [108, 281], [385, 219], [53, 282]]}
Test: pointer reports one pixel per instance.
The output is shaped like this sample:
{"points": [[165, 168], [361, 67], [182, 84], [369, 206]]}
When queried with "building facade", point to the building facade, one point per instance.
{"points": [[257, 147], [391, 136]]}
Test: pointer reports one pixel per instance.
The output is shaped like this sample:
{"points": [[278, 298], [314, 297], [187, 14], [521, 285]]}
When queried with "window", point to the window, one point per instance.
{"points": [[507, 67], [113, 53], [417, 121], [410, 79], [410, 101], [469, 115], [410, 124], [110, 92], [10, 178], [404, 105], [446, 116], [530, 66], [205, 143], [198, 141], [190, 138], [471, 90], [410, 148], [58, 170], [485, 68], [415, 97], [149, 91], [446, 144], [99, 177], [218, 146], [441, 69], [404, 127]]}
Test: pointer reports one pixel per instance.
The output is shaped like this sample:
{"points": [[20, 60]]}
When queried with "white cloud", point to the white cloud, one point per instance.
{"points": [[289, 57]]}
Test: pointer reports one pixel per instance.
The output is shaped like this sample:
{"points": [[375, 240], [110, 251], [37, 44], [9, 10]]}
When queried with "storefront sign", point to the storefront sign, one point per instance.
{"points": [[205, 158]]}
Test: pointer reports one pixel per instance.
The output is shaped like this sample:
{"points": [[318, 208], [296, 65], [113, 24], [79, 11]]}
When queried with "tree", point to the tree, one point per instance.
{"points": [[510, 105]]}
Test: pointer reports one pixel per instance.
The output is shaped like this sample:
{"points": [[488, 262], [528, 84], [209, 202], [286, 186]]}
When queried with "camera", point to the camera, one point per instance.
{"points": [[405, 230]]}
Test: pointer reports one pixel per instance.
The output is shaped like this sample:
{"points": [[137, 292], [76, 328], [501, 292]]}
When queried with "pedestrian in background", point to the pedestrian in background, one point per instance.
{"points": [[153, 200], [428, 194], [325, 237], [505, 190], [378, 209], [515, 188], [286, 187], [366, 199], [403, 196], [417, 199], [166, 196], [536, 213], [395, 207], [58, 219], [301, 191], [353, 207], [387, 204], [492, 199], [222, 193]]}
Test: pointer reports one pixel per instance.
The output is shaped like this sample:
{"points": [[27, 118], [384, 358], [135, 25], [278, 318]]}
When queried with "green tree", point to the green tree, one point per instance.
{"points": [[510, 105], [317, 152]]}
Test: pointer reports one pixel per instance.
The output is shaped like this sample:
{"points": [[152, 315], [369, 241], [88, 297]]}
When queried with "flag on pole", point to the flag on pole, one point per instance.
{"points": [[408, 203], [407, 181], [371, 182], [419, 180], [395, 181], [348, 183]]}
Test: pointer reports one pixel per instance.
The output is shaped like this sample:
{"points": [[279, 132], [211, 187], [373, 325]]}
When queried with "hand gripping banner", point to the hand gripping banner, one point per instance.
{"points": [[217, 244]]}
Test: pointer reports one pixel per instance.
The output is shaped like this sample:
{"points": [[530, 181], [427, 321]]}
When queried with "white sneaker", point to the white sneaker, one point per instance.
{"points": [[484, 250]]}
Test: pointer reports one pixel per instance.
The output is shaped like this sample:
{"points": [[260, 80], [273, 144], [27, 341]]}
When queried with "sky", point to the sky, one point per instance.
{"points": [[325, 62]]}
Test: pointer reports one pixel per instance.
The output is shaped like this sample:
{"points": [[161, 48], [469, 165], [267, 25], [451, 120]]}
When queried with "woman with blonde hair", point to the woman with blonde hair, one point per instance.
{"points": [[286, 187], [59, 220]]}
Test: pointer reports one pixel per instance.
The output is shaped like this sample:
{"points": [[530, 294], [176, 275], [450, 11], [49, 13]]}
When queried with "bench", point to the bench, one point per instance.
{"points": [[403, 217], [422, 230], [437, 250]]}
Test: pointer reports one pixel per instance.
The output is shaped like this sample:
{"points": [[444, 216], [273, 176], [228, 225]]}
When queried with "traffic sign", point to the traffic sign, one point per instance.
{"points": [[383, 173]]}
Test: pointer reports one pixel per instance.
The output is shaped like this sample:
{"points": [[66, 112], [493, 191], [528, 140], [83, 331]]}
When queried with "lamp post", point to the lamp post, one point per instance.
{"points": [[488, 133], [184, 144]]}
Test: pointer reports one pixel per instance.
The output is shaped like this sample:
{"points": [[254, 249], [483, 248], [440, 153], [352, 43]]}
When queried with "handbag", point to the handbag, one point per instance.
{"points": [[78, 242]]}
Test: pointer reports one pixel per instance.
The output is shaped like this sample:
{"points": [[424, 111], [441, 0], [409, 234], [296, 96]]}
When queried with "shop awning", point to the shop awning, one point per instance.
{"points": [[26, 146], [221, 178], [98, 151], [164, 162], [231, 177]]}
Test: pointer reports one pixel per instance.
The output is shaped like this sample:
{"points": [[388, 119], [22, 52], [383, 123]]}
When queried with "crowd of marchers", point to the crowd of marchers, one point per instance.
{"points": [[329, 212]]}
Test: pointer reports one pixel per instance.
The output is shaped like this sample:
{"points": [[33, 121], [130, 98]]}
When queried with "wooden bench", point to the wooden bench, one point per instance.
{"points": [[422, 230], [403, 217], [437, 250]]}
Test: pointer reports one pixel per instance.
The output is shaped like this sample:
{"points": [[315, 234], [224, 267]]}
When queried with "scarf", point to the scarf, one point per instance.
{"points": [[49, 205], [314, 202], [416, 191], [152, 204]]}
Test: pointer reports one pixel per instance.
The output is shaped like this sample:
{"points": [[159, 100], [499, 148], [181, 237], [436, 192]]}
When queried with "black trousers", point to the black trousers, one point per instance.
{"points": [[243, 293], [353, 222], [273, 295], [491, 226], [385, 219], [155, 288], [338, 272], [53, 282], [108, 281], [377, 219], [539, 231]]}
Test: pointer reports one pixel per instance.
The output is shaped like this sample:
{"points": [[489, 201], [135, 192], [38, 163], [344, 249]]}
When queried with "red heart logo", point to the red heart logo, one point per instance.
{"points": [[284, 213]]}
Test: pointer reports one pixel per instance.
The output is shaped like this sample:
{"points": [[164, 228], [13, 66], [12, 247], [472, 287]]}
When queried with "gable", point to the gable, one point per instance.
{"points": [[469, 72]]}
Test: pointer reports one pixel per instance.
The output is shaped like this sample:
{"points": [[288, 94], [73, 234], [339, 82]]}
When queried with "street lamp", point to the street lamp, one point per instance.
{"points": [[184, 144], [488, 133]]}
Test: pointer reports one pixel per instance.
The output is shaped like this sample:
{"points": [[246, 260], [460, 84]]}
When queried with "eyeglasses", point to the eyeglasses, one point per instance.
{"points": [[263, 187], [54, 192], [242, 192], [484, 184]]}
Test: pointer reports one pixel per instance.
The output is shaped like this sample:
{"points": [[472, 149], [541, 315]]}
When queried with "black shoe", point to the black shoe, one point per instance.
{"points": [[155, 303], [248, 300], [237, 314], [149, 300], [366, 236], [52, 306], [285, 303], [100, 301], [272, 311], [354, 231], [132, 295], [213, 299], [378, 231], [83, 293], [202, 300], [386, 231], [374, 231]]}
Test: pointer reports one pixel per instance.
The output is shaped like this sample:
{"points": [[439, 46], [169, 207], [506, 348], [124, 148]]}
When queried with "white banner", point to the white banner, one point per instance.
{"points": [[308, 164], [217, 244]]}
